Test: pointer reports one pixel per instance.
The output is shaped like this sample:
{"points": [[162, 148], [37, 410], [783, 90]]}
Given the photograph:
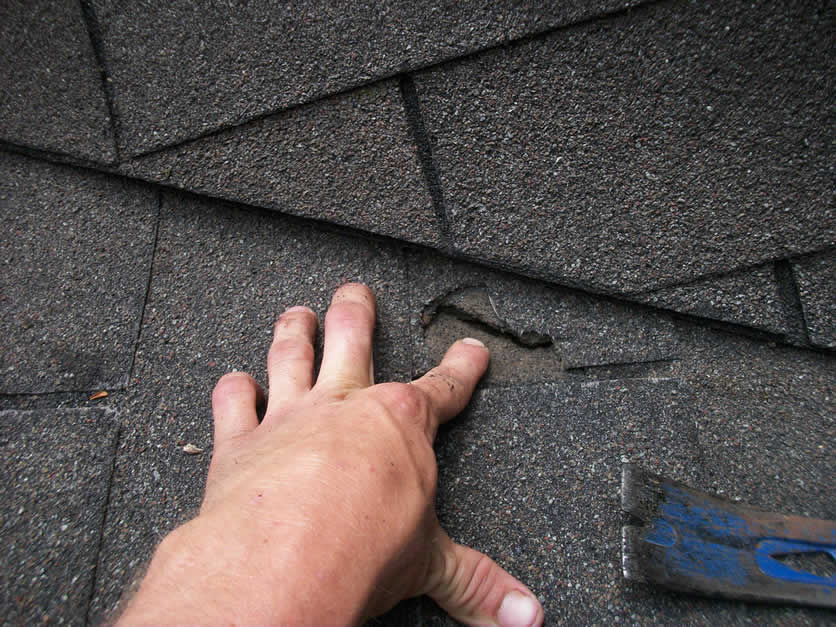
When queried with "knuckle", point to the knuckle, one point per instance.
{"points": [[231, 383], [408, 403], [349, 315], [289, 348], [445, 381], [294, 322]]}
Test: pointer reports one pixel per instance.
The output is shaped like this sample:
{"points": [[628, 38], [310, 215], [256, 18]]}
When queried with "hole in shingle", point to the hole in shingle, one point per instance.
{"points": [[517, 355]]}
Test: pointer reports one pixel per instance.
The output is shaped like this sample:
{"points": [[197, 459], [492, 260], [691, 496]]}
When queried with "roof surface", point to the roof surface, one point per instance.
{"points": [[631, 203]]}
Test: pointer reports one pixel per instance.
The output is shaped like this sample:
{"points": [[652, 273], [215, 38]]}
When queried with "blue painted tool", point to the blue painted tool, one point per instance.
{"points": [[696, 542]]}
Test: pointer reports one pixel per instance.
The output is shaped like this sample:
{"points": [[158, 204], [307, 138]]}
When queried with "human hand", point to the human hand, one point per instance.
{"points": [[324, 513]]}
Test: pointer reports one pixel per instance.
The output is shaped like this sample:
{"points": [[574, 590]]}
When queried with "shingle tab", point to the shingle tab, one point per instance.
{"points": [[52, 96], [54, 476], [77, 254], [348, 160], [264, 56], [750, 297], [816, 280], [645, 150]]}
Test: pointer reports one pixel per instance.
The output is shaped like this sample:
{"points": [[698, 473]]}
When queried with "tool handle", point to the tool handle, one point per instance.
{"points": [[767, 550]]}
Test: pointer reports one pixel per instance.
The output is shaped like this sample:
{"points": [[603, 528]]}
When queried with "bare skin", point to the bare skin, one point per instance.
{"points": [[324, 513]]}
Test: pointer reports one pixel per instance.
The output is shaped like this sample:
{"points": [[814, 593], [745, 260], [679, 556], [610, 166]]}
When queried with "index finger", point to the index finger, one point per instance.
{"points": [[450, 385]]}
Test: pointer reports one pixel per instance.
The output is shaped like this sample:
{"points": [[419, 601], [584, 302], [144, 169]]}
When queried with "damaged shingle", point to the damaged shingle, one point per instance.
{"points": [[535, 332]]}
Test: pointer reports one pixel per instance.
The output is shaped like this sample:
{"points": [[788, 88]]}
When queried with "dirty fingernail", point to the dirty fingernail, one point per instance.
{"points": [[517, 610], [298, 308], [473, 341]]}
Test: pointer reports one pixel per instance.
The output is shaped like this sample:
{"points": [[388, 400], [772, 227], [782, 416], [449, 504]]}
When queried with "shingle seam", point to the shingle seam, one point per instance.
{"points": [[791, 297], [54, 157], [529, 273], [423, 144], [91, 22], [105, 509], [410, 294], [141, 321], [405, 68]]}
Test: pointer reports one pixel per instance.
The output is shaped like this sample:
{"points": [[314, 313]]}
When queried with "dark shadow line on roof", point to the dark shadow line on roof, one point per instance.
{"points": [[97, 566], [791, 297], [574, 380], [141, 322], [534, 35], [94, 31], [722, 274], [410, 295], [423, 143], [525, 273], [51, 156]]}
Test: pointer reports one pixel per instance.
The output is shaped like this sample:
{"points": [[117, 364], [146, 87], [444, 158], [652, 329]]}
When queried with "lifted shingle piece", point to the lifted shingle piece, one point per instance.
{"points": [[51, 93], [183, 71], [348, 160], [77, 253], [816, 281], [650, 149], [54, 477], [536, 332]]}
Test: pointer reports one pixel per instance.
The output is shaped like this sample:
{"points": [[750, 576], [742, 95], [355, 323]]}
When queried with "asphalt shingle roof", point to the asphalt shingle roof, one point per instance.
{"points": [[633, 207]]}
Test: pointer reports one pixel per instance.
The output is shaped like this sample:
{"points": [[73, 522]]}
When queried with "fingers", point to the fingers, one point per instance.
{"points": [[450, 385], [234, 402], [349, 325], [473, 589], [291, 357]]}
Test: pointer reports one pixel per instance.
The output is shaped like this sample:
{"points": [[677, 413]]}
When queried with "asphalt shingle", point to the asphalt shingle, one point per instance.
{"points": [[52, 96], [750, 298], [348, 160], [816, 281], [644, 150], [768, 420], [265, 56], [78, 249], [585, 330], [221, 276], [530, 475], [55, 469]]}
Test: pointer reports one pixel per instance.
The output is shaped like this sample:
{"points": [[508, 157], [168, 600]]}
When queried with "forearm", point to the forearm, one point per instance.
{"points": [[208, 572]]}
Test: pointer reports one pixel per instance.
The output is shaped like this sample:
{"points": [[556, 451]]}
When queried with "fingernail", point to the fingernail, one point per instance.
{"points": [[473, 341], [298, 308], [517, 610]]}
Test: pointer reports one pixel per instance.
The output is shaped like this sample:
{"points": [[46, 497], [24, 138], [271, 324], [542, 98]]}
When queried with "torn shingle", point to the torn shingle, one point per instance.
{"points": [[78, 249], [815, 278], [668, 143], [183, 72], [346, 160], [584, 330], [54, 477], [52, 96]]}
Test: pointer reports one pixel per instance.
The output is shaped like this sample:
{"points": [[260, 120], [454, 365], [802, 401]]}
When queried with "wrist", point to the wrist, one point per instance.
{"points": [[208, 570]]}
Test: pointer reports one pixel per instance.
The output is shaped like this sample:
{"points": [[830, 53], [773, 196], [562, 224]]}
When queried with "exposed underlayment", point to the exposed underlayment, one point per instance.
{"points": [[516, 356]]}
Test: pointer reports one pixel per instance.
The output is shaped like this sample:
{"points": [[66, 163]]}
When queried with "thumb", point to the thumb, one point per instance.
{"points": [[473, 589]]}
